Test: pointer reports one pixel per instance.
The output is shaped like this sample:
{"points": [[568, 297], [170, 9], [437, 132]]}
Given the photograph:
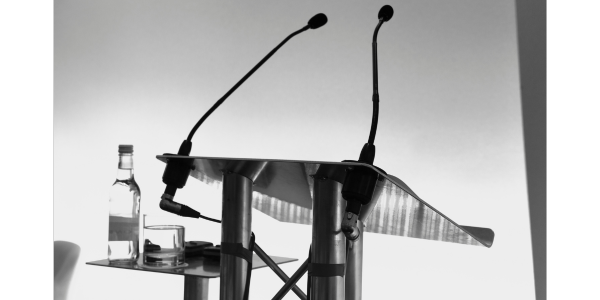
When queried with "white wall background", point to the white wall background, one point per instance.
{"points": [[143, 72]]}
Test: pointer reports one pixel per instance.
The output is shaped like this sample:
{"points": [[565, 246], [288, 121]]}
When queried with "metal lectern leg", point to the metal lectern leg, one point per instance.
{"points": [[354, 267], [235, 228], [195, 288], [355, 255], [328, 241]]}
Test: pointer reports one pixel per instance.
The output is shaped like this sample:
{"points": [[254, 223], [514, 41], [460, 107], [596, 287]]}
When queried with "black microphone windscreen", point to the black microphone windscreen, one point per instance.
{"points": [[317, 21], [386, 13]]}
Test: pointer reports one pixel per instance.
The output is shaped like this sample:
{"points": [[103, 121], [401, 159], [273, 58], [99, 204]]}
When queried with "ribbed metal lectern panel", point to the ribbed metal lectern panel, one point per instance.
{"points": [[283, 190]]}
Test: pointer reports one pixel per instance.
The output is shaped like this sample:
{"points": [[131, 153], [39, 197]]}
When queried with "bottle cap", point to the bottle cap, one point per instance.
{"points": [[125, 148]]}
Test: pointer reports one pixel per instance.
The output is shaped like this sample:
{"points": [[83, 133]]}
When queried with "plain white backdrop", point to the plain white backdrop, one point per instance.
{"points": [[144, 72]]}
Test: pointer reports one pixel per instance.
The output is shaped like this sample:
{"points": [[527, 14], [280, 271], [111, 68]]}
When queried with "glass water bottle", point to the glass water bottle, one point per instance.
{"points": [[124, 213]]}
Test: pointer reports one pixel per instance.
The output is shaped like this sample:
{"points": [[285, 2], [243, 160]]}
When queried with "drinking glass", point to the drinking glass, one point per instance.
{"points": [[164, 244]]}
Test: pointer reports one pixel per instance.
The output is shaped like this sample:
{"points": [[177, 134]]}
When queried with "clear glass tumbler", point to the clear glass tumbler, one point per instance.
{"points": [[164, 245]]}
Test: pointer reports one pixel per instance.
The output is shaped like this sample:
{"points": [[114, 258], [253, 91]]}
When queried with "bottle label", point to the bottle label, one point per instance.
{"points": [[123, 228]]}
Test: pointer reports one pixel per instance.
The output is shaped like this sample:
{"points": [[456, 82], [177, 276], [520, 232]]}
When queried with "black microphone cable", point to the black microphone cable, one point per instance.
{"points": [[210, 219]]}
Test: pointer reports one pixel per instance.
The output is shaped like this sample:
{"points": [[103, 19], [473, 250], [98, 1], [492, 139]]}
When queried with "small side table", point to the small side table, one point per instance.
{"points": [[197, 273]]}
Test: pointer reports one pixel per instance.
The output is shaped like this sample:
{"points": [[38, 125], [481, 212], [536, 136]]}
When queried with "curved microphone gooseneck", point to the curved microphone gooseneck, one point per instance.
{"points": [[315, 22], [359, 183], [368, 153], [375, 88], [177, 170]]}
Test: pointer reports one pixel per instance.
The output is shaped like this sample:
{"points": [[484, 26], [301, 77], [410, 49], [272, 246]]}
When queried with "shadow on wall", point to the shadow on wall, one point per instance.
{"points": [[65, 258]]}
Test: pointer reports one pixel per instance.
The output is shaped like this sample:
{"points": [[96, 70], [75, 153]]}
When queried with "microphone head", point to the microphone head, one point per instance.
{"points": [[386, 13], [317, 21]]}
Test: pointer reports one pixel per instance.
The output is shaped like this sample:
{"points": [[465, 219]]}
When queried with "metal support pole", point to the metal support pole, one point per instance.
{"points": [[355, 255], [195, 288], [354, 266], [235, 228], [259, 251], [328, 241]]}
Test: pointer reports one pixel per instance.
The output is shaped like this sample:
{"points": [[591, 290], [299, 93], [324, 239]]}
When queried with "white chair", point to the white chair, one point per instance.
{"points": [[65, 258]]}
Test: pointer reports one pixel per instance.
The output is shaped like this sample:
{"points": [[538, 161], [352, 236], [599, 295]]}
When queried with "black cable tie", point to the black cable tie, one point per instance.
{"points": [[325, 270], [238, 250]]}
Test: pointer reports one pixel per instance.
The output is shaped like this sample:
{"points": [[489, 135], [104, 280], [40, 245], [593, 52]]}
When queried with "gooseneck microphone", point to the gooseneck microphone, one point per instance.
{"points": [[359, 183], [315, 22], [368, 153], [177, 170], [385, 13]]}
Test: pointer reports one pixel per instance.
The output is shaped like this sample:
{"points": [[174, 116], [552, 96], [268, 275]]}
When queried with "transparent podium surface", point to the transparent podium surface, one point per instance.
{"points": [[283, 190], [196, 266]]}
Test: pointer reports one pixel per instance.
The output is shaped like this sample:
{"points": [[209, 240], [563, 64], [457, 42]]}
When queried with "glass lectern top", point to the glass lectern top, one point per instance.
{"points": [[283, 190]]}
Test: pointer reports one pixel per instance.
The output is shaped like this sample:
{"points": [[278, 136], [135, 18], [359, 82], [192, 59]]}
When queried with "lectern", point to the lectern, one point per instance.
{"points": [[339, 199], [309, 192]]}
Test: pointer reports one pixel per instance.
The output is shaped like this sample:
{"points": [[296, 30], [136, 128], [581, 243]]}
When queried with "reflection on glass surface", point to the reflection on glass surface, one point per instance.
{"points": [[398, 213], [283, 190], [281, 210]]}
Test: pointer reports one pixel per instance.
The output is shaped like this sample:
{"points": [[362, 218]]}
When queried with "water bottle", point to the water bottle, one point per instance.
{"points": [[124, 213]]}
